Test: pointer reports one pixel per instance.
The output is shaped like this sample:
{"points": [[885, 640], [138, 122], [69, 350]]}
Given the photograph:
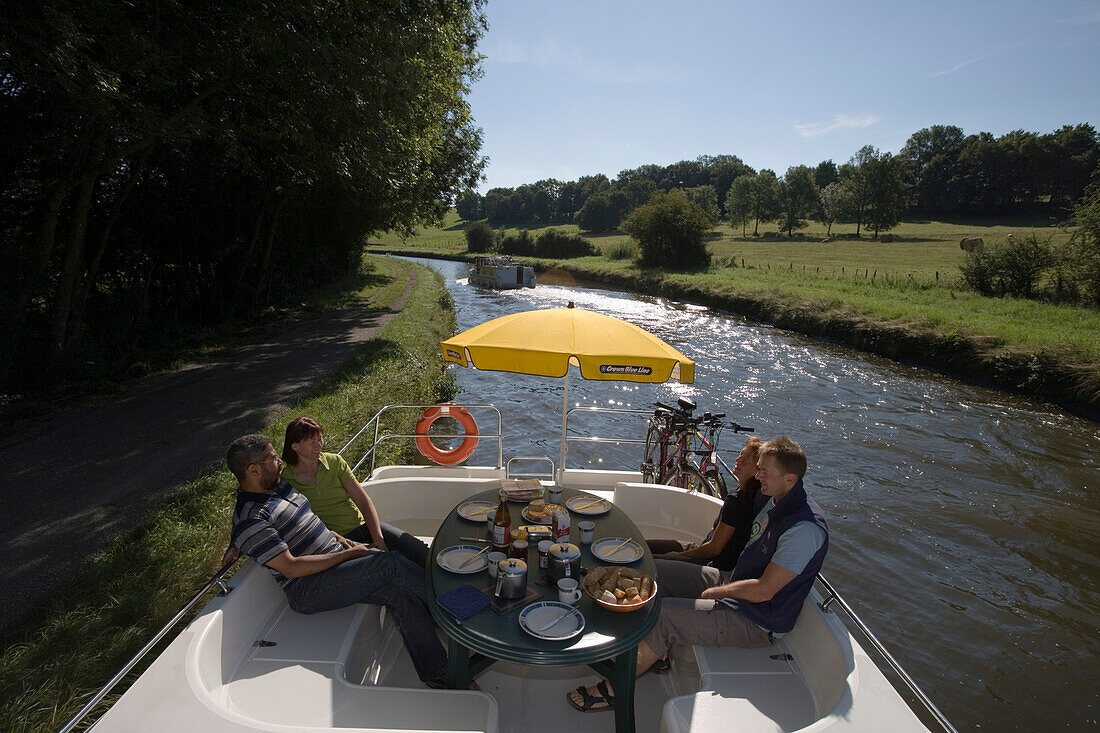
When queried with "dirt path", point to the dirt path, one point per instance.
{"points": [[77, 482]]}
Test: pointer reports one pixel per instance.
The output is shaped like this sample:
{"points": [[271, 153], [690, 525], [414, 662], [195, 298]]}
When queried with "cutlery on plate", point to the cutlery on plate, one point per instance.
{"points": [[554, 622], [622, 544], [480, 510], [578, 507], [471, 558]]}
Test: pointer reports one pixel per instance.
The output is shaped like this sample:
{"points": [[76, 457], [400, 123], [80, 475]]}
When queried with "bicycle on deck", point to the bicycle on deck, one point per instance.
{"points": [[682, 450]]}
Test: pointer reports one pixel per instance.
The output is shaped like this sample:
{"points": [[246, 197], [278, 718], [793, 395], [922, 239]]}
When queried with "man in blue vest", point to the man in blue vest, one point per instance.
{"points": [[771, 580]]}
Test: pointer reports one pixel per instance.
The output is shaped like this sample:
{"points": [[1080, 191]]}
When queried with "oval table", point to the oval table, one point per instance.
{"points": [[608, 644]]}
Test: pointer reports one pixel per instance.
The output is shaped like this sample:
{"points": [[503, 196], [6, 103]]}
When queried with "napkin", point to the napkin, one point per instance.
{"points": [[463, 602]]}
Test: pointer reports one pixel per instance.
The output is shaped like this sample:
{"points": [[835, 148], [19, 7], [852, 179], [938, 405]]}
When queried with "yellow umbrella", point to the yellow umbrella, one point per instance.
{"points": [[546, 342]]}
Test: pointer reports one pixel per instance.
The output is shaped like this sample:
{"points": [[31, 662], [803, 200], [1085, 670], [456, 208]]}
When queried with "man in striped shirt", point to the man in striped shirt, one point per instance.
{"points": [[318, 569]]}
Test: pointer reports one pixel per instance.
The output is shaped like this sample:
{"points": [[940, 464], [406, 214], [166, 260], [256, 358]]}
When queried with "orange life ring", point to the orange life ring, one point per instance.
{"points": [[438, 455]]}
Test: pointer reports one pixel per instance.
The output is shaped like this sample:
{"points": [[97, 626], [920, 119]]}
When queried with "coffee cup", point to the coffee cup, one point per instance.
{"points": [[494, 559], [568, 592], [553, 495], [587, 531]]}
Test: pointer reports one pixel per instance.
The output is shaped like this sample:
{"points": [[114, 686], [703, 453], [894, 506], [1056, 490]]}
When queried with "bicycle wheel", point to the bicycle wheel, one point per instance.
{"points": [[718, 482], [695, 481], [651, 457]]}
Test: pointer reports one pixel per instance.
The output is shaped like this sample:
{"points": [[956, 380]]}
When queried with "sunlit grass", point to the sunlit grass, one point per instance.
{"points": [[65, 649]]}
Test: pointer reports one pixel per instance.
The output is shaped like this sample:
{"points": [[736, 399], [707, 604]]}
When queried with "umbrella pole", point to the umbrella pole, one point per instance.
{"points": [[564, 411]]}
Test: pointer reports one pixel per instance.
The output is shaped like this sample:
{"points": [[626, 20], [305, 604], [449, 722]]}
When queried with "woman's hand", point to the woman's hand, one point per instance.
{"points": [[345, 542], [380, 545]]}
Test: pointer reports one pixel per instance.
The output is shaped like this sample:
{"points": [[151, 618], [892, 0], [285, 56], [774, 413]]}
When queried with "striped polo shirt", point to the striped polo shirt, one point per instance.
{"points": [[266, 525]]}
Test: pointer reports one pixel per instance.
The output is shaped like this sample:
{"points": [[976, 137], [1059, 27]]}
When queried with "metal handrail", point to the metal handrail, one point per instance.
{"points": [[595, 439], [216, 580], [833, 595], [376, 420]]}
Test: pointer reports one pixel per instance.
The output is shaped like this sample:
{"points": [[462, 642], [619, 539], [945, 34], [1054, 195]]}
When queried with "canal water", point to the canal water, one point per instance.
{"points": [[964, 521]]}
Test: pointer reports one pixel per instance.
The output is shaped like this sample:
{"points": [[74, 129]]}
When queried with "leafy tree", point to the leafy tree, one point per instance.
{"points": [[670, 231], [1084, 249], [765, 198], [603, 211], [825, 173], [739, 202], [177, 166], [705, 198], [888, 196], [469, 206], [836, 205], [798, 198], [480, 237], [932, 155]]}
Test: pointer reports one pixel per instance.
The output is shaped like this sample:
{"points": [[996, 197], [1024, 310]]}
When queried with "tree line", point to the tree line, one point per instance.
{"points": [[169, 163], [939, 172]]}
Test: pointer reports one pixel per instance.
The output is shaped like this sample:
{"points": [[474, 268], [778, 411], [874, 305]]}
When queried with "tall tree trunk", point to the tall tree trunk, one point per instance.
{"points": [[268, 246], [87, 284], [34, 280], [74, 255]]}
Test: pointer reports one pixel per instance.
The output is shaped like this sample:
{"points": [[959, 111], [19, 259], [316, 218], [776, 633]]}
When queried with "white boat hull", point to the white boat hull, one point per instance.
{"points": [[347, 669]]}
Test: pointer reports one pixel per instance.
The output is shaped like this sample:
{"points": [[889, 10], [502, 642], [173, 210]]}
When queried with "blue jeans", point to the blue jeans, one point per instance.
{"points": [[385, 578], [396, 539]]}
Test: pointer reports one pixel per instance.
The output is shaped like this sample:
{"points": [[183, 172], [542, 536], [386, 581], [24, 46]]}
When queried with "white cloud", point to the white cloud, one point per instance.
{"points": [[839, 122], [547, 54]]}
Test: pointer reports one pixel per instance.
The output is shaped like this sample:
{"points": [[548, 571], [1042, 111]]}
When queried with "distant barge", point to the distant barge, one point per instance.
{"points": [[501, 272]]}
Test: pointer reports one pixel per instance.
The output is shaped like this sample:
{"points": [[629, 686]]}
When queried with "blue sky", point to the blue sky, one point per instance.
{"points": [[578, 88]]}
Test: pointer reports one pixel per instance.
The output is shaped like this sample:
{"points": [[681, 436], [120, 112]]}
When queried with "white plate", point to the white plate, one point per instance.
{"points": [[452, 558], [587, 508], [546, 519], [603, 549], [533, 618], [475, 510]]}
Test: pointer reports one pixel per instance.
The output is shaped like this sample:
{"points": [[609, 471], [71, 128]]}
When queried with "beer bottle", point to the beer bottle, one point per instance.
{"points": [[502, 526]]}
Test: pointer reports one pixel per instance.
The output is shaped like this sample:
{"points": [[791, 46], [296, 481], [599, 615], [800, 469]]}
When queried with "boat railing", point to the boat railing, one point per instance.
{"points": [[567, 439], [381, 436], [518, 460], [833, 597], [223, 589]]}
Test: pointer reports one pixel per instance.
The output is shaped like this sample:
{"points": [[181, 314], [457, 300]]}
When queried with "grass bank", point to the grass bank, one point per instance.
{"points": [[901, 300], [66, 648]]}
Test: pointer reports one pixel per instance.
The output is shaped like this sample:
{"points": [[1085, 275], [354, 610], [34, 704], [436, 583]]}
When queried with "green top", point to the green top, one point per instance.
{"points": [[327, 496]]}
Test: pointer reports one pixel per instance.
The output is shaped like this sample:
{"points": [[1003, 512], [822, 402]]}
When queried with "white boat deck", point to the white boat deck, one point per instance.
{"points": [[249, 663]]}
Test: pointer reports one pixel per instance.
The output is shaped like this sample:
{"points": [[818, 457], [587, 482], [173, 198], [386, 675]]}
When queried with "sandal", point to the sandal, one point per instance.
{"points": [[661, 666], [590, 700]]}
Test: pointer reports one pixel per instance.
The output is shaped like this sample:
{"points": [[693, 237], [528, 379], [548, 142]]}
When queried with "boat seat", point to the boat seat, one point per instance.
{"points": [[752, 689], [345, 668]]}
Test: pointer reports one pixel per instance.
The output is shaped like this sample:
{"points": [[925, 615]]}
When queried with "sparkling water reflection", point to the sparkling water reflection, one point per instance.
{"points": [[964, 520]]}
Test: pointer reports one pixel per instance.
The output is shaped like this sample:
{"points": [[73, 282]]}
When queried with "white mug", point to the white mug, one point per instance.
{"points": [[494, 558], [587, 530], [553, 494], [568, 592]]}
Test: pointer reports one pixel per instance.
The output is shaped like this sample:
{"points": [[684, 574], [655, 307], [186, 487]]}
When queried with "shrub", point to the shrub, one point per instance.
{"points": [[622, 251], [521, 244], [670, 231], [1084, 247], [480, 237], [1008, 269], [553, 244]]}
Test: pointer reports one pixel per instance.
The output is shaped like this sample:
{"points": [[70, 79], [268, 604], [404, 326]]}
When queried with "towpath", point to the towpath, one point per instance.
{"points": [[77, 482]]}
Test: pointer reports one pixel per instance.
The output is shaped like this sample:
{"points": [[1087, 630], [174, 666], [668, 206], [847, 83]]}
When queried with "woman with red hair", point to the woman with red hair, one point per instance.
{"points": [[336, 496]]}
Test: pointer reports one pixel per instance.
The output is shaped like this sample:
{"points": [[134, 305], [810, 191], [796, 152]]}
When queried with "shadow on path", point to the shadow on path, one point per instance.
{"points": [[76, 483]]}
